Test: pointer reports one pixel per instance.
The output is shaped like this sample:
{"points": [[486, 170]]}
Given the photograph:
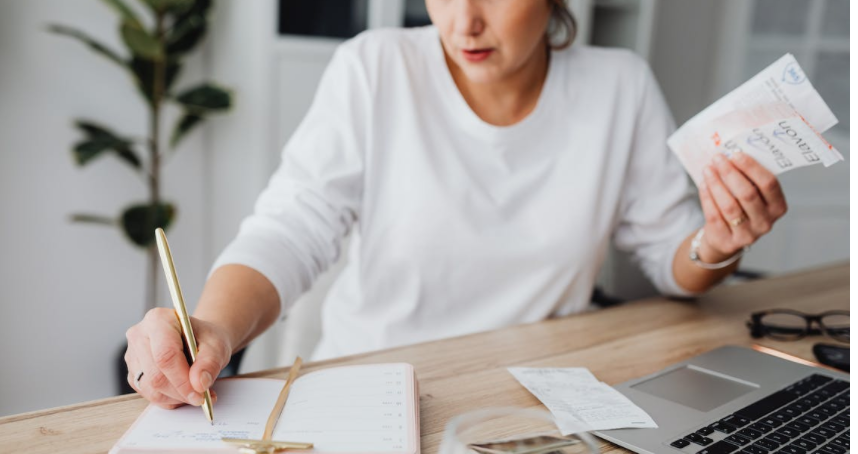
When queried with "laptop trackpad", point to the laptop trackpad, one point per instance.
{"points": [[694, 387]]}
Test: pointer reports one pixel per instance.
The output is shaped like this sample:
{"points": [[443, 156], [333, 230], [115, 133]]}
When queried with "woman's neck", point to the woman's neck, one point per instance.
{"points": [[507, 101]]}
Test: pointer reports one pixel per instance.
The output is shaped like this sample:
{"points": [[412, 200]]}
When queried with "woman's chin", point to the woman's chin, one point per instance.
{"points": [[481, 73]]}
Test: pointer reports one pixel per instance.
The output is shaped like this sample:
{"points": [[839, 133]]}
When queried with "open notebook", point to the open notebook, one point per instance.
{"points": [[355, 409]]}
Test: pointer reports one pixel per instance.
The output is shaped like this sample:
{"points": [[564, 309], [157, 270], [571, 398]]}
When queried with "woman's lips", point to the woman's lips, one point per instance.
{"points": [[476, 55]]}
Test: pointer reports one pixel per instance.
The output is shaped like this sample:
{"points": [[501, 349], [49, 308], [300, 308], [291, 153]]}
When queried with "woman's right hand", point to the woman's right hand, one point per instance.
{"points": [[155, 350]]}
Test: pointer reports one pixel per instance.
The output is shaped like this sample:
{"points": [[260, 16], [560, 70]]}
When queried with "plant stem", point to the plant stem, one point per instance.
{"points": [[155, 158]]}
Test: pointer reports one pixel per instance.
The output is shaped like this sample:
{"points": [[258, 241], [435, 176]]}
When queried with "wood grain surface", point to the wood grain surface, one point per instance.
{"points": [[464, 373]]}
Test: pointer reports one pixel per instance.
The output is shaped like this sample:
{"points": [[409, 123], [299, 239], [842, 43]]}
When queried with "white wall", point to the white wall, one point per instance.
{"points": [[69, 291], [685, 38], [241, 143]]}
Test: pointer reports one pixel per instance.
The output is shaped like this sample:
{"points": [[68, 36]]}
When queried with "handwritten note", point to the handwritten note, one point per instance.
{"points": [[240, 412], [346, 409], [579, 401]]}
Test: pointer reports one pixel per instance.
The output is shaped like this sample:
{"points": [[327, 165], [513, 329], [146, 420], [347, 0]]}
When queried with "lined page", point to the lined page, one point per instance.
{"points": [[241, 411], [352, 409], [344, 409]]}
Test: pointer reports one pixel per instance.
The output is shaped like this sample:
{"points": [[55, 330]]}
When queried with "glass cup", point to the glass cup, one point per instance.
{"points": [[511, 430]]}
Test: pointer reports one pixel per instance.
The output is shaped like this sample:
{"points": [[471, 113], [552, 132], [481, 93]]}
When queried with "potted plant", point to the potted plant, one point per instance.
{"points": [[157, 43]]}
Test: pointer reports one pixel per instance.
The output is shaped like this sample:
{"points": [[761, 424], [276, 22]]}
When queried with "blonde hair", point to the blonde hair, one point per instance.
{"points": [[562, 27]]}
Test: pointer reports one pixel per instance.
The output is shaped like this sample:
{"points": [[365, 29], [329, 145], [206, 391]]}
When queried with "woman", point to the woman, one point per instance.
{"points": [[482, 168]]}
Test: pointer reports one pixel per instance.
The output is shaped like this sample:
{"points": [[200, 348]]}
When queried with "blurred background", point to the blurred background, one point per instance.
{"points": [[68, 291]]}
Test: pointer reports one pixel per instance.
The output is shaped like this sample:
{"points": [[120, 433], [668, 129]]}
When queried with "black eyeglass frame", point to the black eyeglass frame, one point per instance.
{"points": [[759, 329]]}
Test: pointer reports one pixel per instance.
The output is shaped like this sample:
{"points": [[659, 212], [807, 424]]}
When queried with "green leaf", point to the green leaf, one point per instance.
{"points": [[128, 15], [205, 98], [99, 140], [93, 44], [87, 150], [94, 129], [127, 154], [93, 219], [134, 35], [186, 34], [140, 221], [199, 7], [144, 74], [169, 5], [189, 28], [185, 124], [141, 42]]}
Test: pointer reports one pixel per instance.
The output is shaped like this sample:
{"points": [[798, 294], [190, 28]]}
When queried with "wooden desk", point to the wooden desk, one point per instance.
{"points": [[470, 372]]}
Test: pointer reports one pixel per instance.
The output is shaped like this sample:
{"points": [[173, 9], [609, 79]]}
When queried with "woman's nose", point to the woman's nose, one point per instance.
{"points": [[468, 18]]}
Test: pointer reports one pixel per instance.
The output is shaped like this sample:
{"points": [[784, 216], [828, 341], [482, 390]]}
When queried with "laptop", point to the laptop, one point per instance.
{"points": [[737, 400]]}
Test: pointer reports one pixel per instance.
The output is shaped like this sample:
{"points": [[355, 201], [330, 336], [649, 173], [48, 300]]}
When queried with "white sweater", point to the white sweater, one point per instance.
{"points": [[460, 226]]}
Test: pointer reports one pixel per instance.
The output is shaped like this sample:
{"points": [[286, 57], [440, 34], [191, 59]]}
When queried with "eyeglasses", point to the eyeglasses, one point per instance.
{"points": [[787, 324]]}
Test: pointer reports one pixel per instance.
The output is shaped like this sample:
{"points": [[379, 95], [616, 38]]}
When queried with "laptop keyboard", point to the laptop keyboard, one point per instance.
{"points": [[809, 416]]}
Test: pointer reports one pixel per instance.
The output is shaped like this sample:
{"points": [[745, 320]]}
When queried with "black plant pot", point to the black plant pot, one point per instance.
{"points": [[122, 371]]}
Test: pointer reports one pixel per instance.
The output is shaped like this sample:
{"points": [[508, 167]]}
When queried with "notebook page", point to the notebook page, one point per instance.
{"points": [[352, 409], [241, 411]]}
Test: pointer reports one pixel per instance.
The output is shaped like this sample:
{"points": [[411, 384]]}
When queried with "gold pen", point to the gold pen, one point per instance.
{"points": [[181, 311]]}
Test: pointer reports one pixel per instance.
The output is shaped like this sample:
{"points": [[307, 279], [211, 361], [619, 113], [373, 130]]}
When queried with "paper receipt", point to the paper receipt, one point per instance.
{"points": [[580, 402], [776, 117]]}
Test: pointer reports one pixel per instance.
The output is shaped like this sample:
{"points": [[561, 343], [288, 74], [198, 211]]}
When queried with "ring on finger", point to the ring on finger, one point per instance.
{"points": [[738, 221]]}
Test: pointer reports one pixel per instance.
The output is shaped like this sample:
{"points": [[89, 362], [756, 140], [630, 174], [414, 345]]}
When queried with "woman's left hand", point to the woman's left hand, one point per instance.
{"points": [[741, 201]]}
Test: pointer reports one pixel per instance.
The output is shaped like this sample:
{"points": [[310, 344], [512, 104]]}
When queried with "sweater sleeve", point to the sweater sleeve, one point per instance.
{"points": [[658, 207], [301, 218]]}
